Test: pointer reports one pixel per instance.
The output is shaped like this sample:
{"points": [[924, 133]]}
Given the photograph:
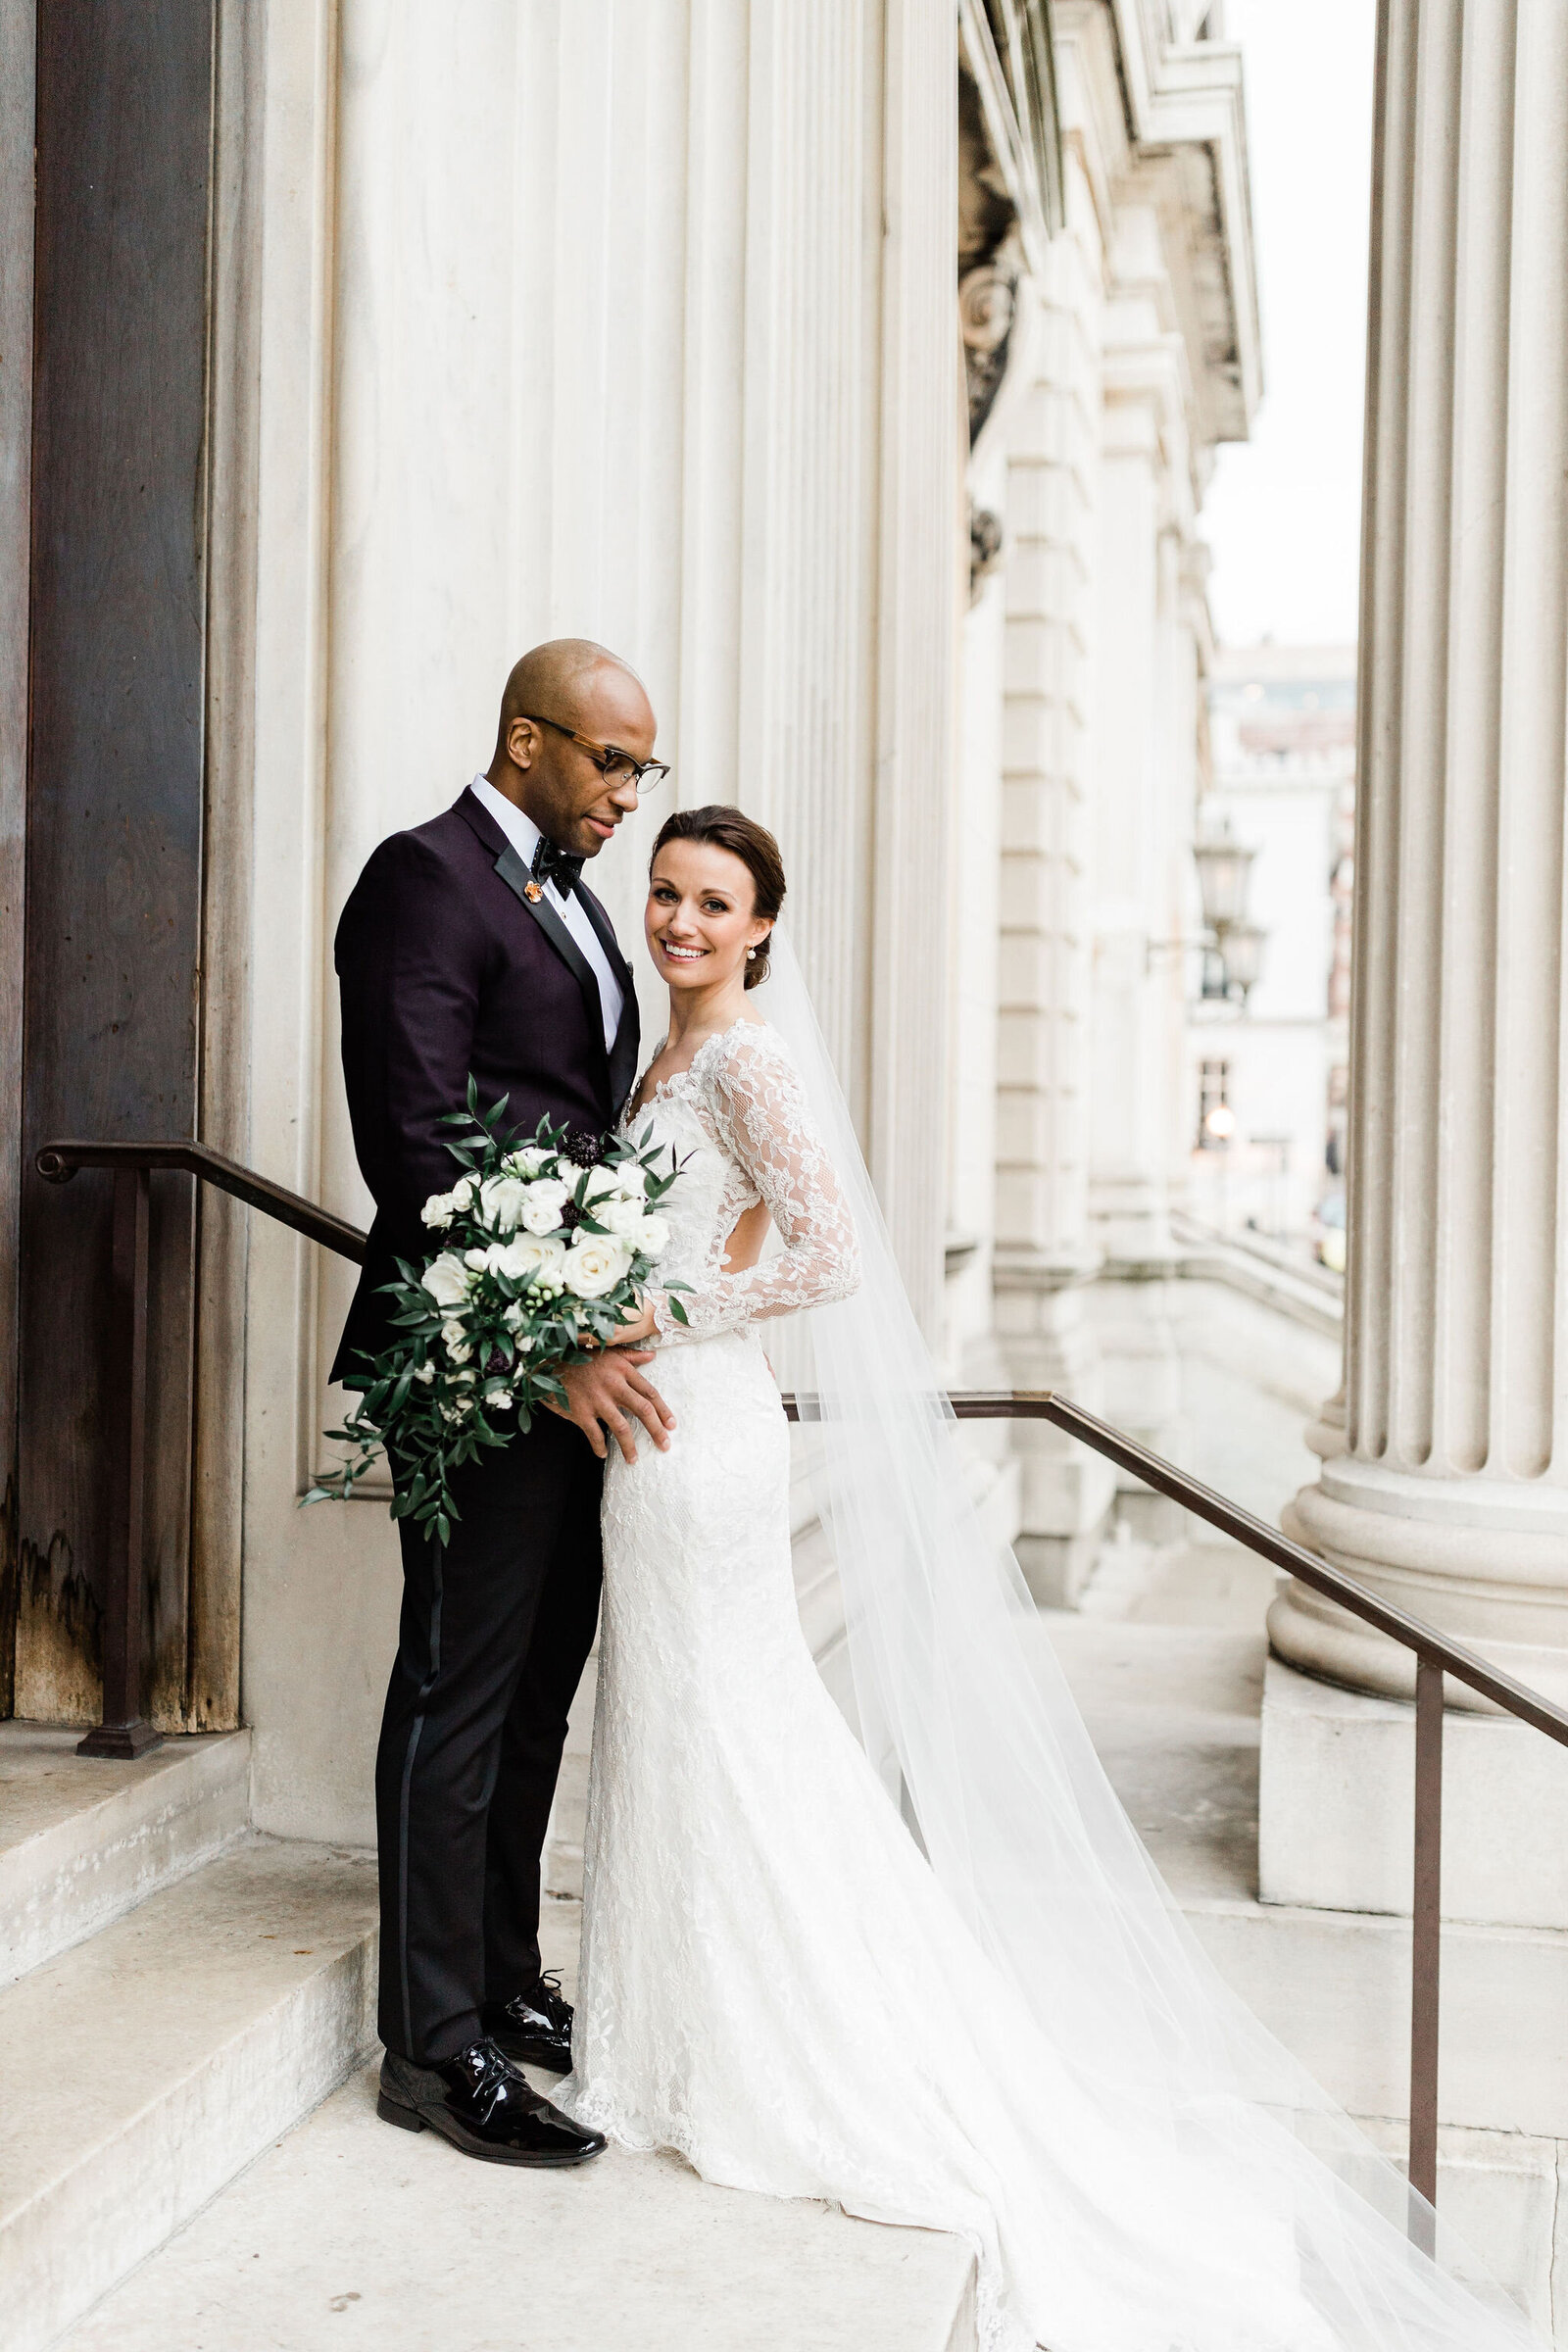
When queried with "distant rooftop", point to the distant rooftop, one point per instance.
{"points": [[1281, 664]]}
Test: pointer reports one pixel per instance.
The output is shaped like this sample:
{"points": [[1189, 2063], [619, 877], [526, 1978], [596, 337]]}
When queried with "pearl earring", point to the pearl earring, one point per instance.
{"points": [[750, 955]]}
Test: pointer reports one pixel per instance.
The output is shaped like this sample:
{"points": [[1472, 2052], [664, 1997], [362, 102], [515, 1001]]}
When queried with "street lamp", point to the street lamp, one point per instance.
{"points": [[1242, 948], [1224, 868]]}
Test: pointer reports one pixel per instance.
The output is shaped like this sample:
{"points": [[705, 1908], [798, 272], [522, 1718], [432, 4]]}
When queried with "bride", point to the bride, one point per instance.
{"points": [[995, 2022]]}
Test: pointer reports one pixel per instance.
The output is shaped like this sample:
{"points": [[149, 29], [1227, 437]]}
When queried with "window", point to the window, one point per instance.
{"points": [[1216, 1121]]}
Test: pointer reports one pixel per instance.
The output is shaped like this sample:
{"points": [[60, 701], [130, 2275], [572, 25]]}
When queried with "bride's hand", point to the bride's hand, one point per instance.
{"points": [[642, 1327]]}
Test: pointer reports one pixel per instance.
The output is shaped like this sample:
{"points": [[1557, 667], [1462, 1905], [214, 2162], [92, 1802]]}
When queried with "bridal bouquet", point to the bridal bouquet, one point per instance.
{"points": [[545, 1249]]}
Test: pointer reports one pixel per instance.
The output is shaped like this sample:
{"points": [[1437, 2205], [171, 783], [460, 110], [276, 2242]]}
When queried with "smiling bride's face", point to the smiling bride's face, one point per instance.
{"points": [[700, 918]]}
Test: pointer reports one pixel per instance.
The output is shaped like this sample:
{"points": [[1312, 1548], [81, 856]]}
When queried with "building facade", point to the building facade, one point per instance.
{"points": [[1267, 1065]]}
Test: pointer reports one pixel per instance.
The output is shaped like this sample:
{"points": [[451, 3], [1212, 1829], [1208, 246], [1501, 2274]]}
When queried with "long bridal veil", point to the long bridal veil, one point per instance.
{"points": [[955, 1681]]}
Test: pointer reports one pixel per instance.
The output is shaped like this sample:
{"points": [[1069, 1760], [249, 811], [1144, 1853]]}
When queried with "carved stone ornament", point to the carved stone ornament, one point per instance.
{"points": [[985, 546], [988, 301]]}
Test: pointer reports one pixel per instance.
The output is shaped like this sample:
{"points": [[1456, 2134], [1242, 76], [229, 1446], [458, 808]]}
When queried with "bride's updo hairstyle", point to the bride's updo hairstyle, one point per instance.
{"points": [[754, 845]]}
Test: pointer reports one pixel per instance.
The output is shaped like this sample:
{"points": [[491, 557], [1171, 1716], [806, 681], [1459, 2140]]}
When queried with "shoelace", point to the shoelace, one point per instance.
{"points": [[552, 2002], [491, 2077]]}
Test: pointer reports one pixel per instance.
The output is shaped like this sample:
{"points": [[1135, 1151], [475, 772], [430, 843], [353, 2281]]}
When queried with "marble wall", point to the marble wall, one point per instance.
{"points": [[630, 322]]}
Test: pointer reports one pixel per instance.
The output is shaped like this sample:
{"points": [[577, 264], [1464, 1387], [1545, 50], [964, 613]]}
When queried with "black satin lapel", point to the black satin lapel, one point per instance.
{"points": [[516, 877], [628, 1037], [605, 932], [624, 1060]]}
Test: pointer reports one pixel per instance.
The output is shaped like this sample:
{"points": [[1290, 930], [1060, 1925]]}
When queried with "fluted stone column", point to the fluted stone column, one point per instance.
{"points": [[1452, 1494], [1143, 794], [1044, 1252]]}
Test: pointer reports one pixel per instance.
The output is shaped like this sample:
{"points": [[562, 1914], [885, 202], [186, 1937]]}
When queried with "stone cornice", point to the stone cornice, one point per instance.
{"points": [[1190, 96], [1166, 123]]}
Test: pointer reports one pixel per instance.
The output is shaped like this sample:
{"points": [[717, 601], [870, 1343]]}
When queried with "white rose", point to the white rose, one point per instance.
{"points": [[425, 1374], [501, 1199], [447, 1280], [619, 1215], [532, 1257], [594, 1265], [479, 1261], [652, 1236], [542, 1204], [461, 1194], [626, 1181], [455, 1342], [437, 1210]]}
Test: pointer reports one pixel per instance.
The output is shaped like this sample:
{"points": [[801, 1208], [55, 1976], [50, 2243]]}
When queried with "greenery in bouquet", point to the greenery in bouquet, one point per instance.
{"points": [[546, 1248]]}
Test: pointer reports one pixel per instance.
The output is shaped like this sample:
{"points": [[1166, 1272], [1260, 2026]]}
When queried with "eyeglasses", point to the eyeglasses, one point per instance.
{"points": [[613, 764]]}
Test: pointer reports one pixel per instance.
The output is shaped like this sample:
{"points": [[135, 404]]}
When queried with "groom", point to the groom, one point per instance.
{"points": [[471, 945]]}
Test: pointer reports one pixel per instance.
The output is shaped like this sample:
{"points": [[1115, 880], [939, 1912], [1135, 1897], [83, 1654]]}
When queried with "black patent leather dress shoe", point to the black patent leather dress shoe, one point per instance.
{"points": [[534, 2029], [480, 2102]]}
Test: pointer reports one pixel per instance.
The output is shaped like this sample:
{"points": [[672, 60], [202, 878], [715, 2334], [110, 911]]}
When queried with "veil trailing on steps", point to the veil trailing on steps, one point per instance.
{"points": [[955, 1683]]}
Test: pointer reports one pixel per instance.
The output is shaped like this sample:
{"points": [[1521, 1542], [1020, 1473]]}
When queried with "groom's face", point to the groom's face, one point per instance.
{"points": [[564, 787]]}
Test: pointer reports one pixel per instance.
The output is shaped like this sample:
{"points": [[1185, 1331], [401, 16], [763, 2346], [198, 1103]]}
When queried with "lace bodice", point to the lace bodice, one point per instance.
{"points": [[739, 1122]]}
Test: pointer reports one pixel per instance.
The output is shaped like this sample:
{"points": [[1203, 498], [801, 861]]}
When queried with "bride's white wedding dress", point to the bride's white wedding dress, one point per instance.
{"points": [[774, 1981]]}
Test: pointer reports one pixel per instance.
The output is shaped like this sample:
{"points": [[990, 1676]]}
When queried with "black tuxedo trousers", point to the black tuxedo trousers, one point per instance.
{"points": [[494, 1636]]}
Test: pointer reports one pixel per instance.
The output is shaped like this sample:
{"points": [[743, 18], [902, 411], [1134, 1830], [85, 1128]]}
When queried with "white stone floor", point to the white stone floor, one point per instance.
{"points": [[349, 2232]]}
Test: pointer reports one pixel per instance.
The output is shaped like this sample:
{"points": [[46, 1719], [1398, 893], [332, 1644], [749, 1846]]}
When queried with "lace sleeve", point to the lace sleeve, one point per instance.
{"points": [[759, 1108]]}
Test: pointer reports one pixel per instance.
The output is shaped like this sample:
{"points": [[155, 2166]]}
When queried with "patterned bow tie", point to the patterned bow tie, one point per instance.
{"points": [[551, 864]]}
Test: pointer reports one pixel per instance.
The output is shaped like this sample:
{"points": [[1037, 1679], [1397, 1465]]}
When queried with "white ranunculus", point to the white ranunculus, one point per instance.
{"points": [[437, 1210], [595, 1263], [532, 1257], [455, 1342], [461, 1194], [652, 1236], [617, 1215], [527, 1160], [542, 1204], [446, 1280], [477, 1260]]}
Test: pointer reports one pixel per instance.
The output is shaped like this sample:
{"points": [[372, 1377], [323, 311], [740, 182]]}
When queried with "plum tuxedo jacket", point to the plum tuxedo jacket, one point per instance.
{"points": [[445, 967]]}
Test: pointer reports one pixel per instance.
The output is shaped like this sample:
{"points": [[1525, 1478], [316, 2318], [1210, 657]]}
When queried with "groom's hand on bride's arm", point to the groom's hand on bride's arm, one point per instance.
{"points": [[608, 1392]]}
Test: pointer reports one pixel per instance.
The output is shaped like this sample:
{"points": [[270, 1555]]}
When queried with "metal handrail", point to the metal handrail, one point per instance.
{"points": [[57, 1163], [1411, 1633], [124, 1732]]}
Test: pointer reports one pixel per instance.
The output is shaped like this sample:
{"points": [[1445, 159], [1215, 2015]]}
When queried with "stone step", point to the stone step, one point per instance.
{"points": [[141, 2070], [84, 1840], [1335, 1987], [350, 2234], [1174, 1711]]}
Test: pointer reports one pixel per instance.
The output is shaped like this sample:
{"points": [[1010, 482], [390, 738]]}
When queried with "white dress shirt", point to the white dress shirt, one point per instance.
{"points": [[525, 837]]}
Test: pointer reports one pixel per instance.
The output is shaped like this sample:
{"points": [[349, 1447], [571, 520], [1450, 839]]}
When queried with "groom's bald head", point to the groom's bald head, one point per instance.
{"points": [[566, 676], [570, 687]]}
